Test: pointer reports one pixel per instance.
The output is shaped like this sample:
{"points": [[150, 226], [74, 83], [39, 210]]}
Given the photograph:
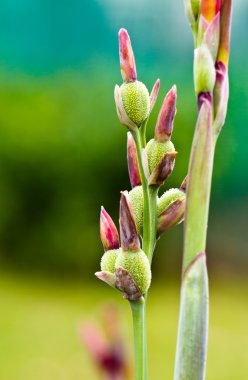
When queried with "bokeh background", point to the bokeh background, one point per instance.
{"points": [[62, 155]]}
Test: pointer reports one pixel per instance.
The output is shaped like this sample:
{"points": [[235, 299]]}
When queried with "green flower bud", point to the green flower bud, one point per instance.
{"points": [[204, 70], [108, 260], [132, 273], [136, 101], [136, 200], [156, 150], [167, 198]]}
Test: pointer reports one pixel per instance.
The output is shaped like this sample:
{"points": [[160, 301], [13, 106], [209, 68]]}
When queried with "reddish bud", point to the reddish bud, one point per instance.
{"points": [[210, 8], [108, 231], [129, 236], [172, 215], [166, 116], [154, 94], [132, 161], [225, 31], [127, 61]]}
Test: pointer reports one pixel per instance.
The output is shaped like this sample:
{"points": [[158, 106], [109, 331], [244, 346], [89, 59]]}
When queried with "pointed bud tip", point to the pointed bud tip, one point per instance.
{"points": [[129, 236], [127, 61], [165, 122], [108, 231]]}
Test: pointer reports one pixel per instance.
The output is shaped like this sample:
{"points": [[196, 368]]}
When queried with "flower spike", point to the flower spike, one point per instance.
{"points": [[127, 61], [166, 116], [108, 231]]}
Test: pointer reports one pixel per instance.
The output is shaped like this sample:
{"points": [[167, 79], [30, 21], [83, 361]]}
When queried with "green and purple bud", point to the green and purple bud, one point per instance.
{"points": [[204, 70], [127, 61], [108, 231], [165, 122], [132, 161], [132, 268]]}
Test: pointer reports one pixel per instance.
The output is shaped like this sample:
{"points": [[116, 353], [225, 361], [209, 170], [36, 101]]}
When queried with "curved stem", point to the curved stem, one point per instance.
{"points": [[138, 312]]}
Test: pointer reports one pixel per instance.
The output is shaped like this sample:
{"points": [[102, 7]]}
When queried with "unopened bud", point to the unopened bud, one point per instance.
{"points": [[136, 101], [108, 231], [210, 8], [132, 161], [171, 209], [127, 61], [129, 236], [154, 94], [137, 202], [108, 260], [132, 274], [124, 119], [107, 277], [204, 70], [164, 126], [161, 159]]}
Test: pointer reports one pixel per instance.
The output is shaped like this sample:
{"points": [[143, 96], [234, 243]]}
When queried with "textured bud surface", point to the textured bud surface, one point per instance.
{"points": [[156, 150], [137, 265], [108, 260], [167, 198], [204, 70], [136, 199], [136, 101]]}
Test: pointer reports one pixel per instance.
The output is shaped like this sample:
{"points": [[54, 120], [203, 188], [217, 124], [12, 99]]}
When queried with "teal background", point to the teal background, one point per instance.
{"points": [[63, 155]]}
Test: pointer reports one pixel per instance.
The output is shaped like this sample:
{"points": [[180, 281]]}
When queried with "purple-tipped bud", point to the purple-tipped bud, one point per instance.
{"points": [[132, 161], [129, 236], [108, 231], [127, 61], [154, 94], [164, 126], [164, 168]]}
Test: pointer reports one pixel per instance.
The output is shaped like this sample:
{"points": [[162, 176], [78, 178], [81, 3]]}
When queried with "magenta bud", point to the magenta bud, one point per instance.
{"points": [[127, 61], [163, 169], [108, 231], [129, 236], [132, 161], [154, 94], [166, 116]]}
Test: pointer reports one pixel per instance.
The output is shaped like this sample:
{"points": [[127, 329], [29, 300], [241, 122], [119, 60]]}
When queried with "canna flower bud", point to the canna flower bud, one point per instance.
{"points": [[154, 94], [225, 31], [127, 61], [210, 8], [108, 260], [166, 116], [204, 70], [192, 9], [136, 101], [161, 159], [171, 209], [108, 231], [137, 203], [132, 161], [132, 268]]}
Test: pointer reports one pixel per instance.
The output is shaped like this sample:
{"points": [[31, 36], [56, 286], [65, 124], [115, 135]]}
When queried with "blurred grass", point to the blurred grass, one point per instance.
{"points": [[39, 322]]}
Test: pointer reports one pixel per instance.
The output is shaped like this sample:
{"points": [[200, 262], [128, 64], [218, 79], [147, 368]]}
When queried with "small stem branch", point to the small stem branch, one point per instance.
{"points": [[138, 312]]}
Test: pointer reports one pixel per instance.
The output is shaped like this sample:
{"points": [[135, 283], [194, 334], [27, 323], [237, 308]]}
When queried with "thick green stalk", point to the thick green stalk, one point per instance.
{"points": [[193, 321], [153, 192], [138, 312]]}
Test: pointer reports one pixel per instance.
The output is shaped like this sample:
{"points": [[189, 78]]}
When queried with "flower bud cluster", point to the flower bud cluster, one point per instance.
{"points": [[210, 21]]}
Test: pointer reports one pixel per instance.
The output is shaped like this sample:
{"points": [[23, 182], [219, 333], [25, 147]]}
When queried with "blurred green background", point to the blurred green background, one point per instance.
{"points": [[62, 155]]}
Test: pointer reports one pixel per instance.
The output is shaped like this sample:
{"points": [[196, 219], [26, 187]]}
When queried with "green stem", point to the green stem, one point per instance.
{"points": [[153, 192], [143, 133], [146, 216], [140, 365]]}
